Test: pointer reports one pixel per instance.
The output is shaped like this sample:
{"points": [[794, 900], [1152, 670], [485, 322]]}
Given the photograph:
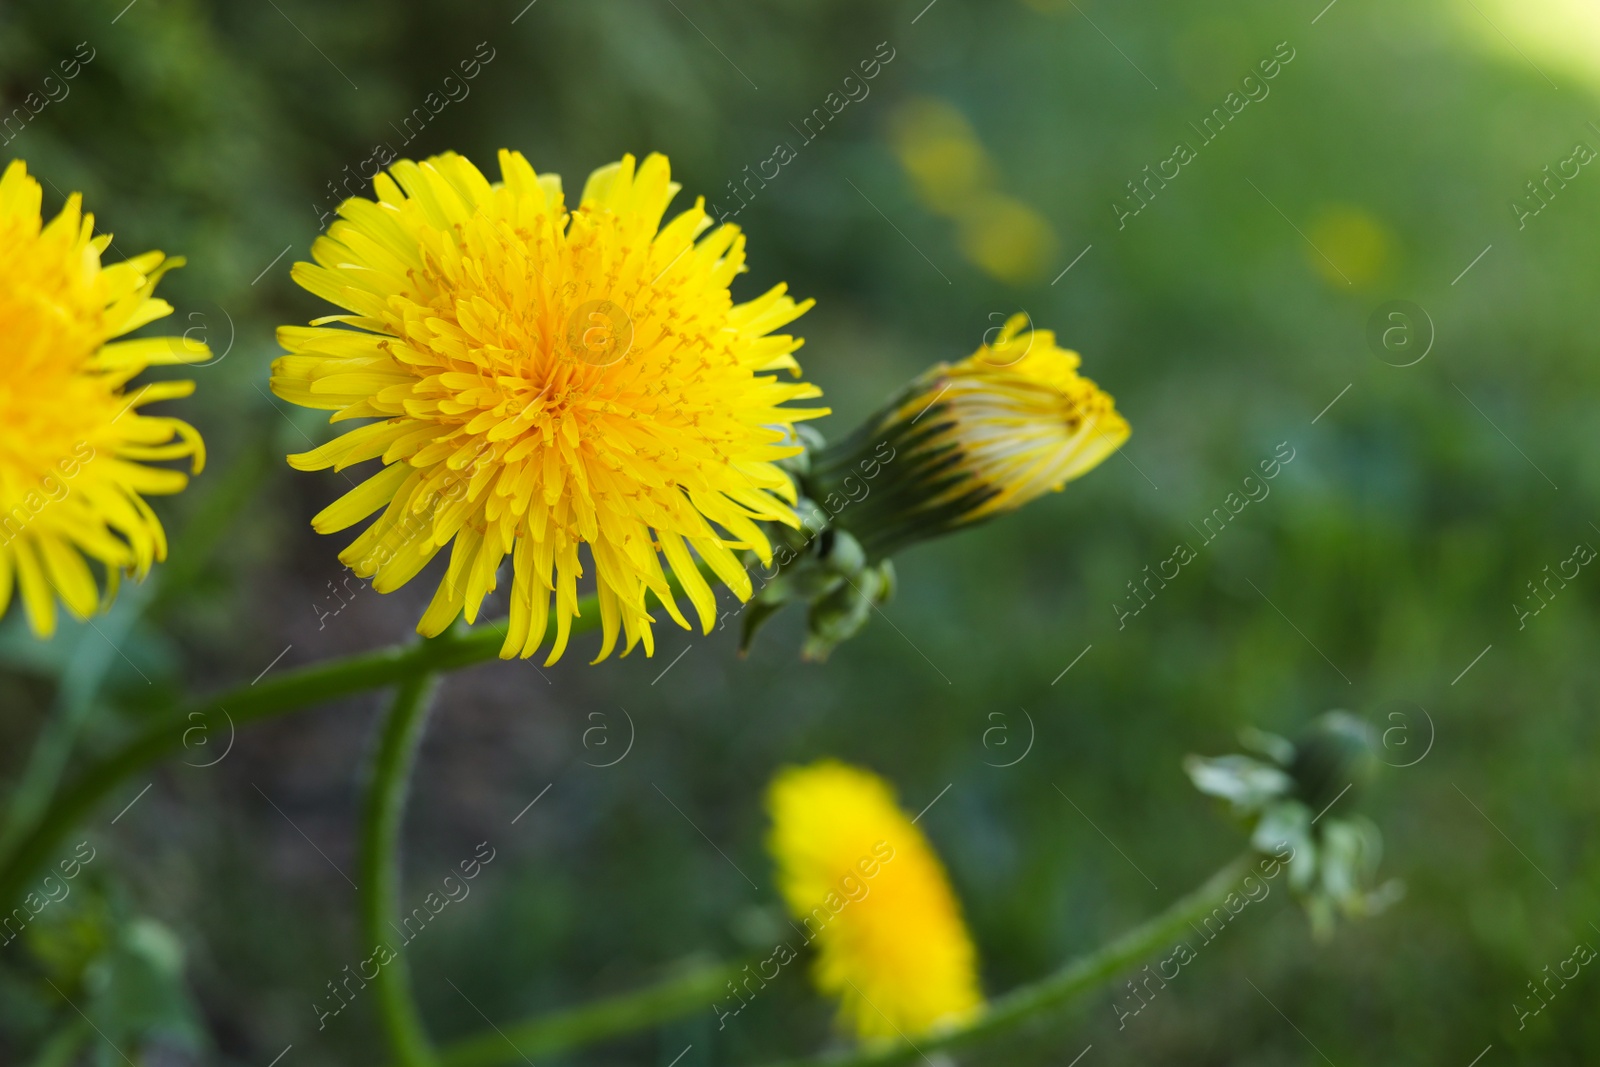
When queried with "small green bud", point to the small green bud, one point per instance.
{"points": [[1333, 759], [839, 615]]}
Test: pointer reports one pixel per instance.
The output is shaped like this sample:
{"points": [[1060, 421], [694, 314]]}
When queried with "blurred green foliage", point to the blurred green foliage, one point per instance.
{"points": [[1387, 556]]}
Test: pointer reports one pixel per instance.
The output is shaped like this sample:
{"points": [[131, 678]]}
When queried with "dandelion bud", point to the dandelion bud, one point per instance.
{"points": [[1333, 758], [1296, 804], [961, 443], [968, 441]]}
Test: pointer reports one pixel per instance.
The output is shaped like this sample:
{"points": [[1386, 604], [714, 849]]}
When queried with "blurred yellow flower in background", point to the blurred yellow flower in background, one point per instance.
{"points": [[874, 900], [940, 153], [73, 473], [1355, 242], [544, 380], [1006, 238], [953, 176]]}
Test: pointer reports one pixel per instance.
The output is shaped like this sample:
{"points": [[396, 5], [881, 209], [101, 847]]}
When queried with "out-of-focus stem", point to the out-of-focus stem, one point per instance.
{"points": [[78, 693], [589, 1023], [1076, 978], [76, 699], [382, 819], [691, 990], [279, 694]]}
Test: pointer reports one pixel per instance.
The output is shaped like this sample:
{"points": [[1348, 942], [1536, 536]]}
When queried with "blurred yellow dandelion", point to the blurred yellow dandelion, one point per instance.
{"points": [[1350, 245], [542, 380], [73, 473], [874, 900], [940, 153], [1006, 238], [953, 176]]}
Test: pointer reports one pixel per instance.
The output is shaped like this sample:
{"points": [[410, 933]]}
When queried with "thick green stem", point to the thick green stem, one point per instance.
{"points": [[694, 988], [278, 694], [1077, 977], [382, 819]]}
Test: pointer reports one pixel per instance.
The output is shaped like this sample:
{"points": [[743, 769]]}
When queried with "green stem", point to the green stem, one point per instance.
{"points": [[588, 1023], [585, 1024], [288, 691], [1077, 977], [76, 699], [381, 822], [62, 1049], [78, 692]]}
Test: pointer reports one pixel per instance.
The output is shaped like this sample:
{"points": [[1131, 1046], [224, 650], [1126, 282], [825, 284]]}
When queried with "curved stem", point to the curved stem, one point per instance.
{"points": [[62, 1049], [587, 1023], [78, 694], [288, 691], [1077, 977], [694, 988], [382, 818], [76, 700]]}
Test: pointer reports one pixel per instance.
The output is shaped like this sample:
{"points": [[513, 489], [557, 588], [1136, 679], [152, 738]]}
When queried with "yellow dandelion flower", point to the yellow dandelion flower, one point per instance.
{"points": [[963, 443], [874, 900], [73, 476], [545, 379]]}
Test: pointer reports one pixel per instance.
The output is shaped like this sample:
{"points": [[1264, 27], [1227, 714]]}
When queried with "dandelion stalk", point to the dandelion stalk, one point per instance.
{"points": [[74, 705], [600, 1020], [1076, 978], [382, 819], [280, 694], [691, 989], [78, 696]]}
